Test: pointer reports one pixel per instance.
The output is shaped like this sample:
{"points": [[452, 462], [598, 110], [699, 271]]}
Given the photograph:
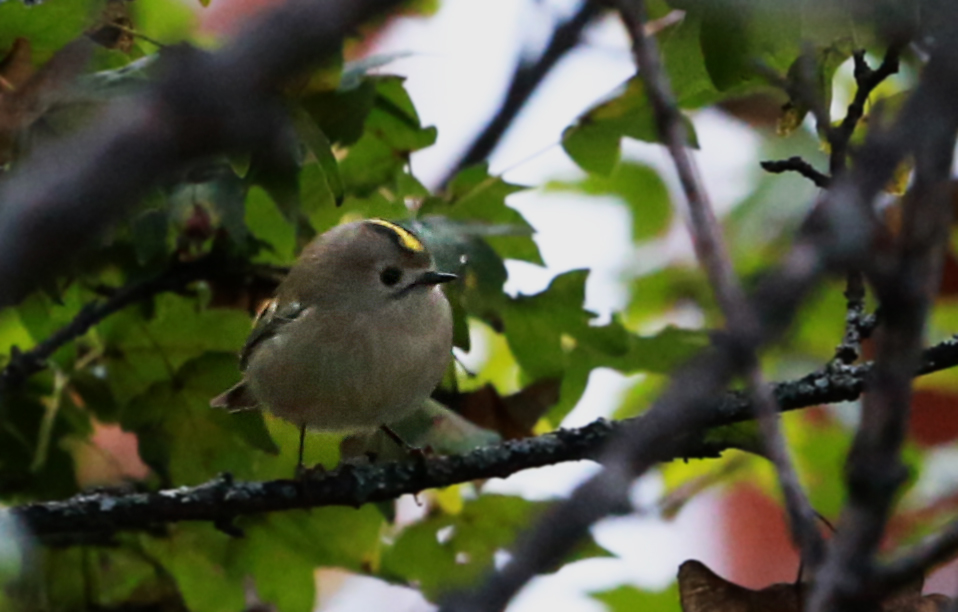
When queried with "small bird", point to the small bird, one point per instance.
{"points": [[358, 335]]}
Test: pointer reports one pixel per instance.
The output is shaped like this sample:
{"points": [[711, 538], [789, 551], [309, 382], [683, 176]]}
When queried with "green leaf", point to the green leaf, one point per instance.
{"points": [[36, 462], [736, 35], [593, 146], [656, 354], [47, 25], [353, 208], [166, 21], [321, 148], [460, 247], [685, 64], [150, 232], [194, 555], [627, 598], [448, 552], [593, 141], [140, 351], [639, 187], [392, 132], [341, 114], [476, 197], [184, 440], [267, 224], [282, 550], [535, 325]]}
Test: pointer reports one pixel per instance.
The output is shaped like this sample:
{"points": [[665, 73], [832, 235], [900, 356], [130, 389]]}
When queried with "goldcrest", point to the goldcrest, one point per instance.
{"points": [[358, 335]]}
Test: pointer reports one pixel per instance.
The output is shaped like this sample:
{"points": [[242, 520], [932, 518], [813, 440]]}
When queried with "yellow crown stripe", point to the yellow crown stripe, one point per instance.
{"points": [[405, 238]]}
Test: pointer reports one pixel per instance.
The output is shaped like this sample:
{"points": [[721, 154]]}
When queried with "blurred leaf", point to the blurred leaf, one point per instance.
{"points": [[639, 187], [281, 550], [820, 69], [593, 140], [150, 232], [266, 223], [461, 247], [324, 217], [48, 26], [319, 145], [186, 441], [627, 598], [140, 351], [36, 466], [684, 62], [392, 133], [627, 353], [166, 21], [475, 197], [341, 115], [440, 559], [194, 555], [738, 34]]}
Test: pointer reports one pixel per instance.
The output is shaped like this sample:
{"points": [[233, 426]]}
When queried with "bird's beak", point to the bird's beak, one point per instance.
{"points": [[435, 278]]}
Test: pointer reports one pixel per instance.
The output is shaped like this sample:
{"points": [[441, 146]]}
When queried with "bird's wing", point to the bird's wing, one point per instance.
{"points": [[271, 318]]}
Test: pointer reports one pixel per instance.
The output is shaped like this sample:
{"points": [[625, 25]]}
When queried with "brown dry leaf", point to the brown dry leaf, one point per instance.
{"points": [[702, 590], [512, 416], [27, 94], [114, 30], [762, 110]]}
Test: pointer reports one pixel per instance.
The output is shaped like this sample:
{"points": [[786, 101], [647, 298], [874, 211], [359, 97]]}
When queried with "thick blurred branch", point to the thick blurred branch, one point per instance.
{"points": [[713, 256], [221, 500], [906, 281], [63, 197], [525, 80]]}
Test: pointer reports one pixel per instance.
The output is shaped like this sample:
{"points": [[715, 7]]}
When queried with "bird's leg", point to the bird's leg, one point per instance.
{"points": [[300, 468], [409, 448], [386, 429]]}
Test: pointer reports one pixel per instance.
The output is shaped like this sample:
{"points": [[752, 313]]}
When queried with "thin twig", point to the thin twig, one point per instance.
{"points": [[797, 164], [525, 80], [713, 256], [866, 81]]}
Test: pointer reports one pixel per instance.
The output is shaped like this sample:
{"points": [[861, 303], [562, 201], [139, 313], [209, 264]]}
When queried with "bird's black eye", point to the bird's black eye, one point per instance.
{"points": [[390, 276]]}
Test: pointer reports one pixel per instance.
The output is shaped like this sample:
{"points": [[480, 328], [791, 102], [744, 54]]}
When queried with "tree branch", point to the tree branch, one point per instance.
{"points": [[22, 365], [525, 80], [59, 200], [105, 512], [797, 164]]}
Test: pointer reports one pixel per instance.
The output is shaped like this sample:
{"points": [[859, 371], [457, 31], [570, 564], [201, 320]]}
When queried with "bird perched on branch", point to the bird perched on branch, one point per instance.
{"points": [[358, 335]]}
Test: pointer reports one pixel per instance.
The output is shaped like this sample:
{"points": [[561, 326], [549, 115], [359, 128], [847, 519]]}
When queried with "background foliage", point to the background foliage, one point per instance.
{"points": [[151, 368]]}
